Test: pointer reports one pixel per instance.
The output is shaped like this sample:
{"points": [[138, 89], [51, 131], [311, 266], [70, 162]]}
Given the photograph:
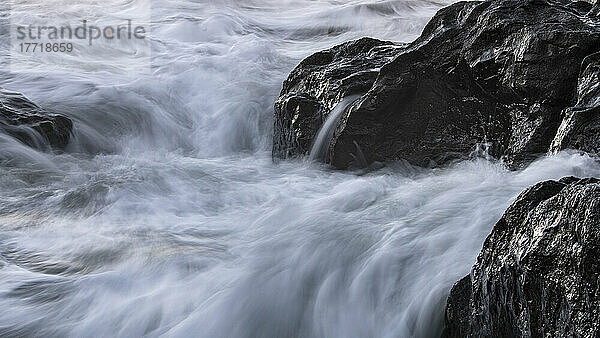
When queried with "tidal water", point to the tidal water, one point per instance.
{"points": [[167, 217]]}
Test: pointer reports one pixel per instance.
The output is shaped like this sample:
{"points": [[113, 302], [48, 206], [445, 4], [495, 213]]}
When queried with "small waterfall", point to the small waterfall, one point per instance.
{"points": [[321, 144]]}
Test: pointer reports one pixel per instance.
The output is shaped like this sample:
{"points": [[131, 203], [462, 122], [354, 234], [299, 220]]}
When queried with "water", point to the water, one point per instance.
{"points": [[167, 217], [319, 150]]}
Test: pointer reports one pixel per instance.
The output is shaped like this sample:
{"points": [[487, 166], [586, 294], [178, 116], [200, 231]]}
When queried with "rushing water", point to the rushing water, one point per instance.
{"points": [[166, 216]]}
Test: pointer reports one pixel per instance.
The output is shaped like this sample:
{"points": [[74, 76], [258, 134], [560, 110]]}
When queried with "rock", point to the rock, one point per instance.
{"points": [[496, 72], [580, 128], [595, 11], [32, 125], [318, 84], [539, 270], [518, 70]]}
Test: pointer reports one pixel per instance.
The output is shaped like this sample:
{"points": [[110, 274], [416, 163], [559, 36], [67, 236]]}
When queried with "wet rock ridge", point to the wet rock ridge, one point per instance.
{"points": [[580, 128], [539, 270], [36, 127], [501, 73]]}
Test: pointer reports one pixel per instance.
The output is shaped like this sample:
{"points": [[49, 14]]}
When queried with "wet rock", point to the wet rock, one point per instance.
{"points": [[539, 270], [580, 128], [318, 84], [32, 125], [498, 73], [595, 11], [518, 70]]}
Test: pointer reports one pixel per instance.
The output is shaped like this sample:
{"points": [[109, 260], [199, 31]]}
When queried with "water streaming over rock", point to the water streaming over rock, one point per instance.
{"points": [[321, 145]]}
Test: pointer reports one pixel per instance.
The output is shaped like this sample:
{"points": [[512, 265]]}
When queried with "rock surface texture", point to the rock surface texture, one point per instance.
{"points": [[538, 274], [580, 128], [32, 125], [502, 73]]}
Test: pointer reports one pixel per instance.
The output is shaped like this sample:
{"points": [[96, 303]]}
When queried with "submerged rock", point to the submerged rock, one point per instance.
{"points": [[493, 72], [539, 270], [32, 125]]}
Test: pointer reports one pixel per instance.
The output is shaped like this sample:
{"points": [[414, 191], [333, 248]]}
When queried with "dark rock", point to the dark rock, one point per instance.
{"points": [[583, 7], [32, 125], [580, 128], [318, 84], [300, 117], [458, 310], [539, 270], [595, 11], [497, 72], [518, 70]]}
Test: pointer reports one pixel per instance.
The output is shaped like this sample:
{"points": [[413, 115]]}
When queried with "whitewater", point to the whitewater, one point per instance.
{"points": [[166, 216]]}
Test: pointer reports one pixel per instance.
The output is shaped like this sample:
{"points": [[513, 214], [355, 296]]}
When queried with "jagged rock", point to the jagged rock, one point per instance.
{"points": [[538, 274], [32, 125], [595, 11], [495, 72], [580, 128], [318, 84]]}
